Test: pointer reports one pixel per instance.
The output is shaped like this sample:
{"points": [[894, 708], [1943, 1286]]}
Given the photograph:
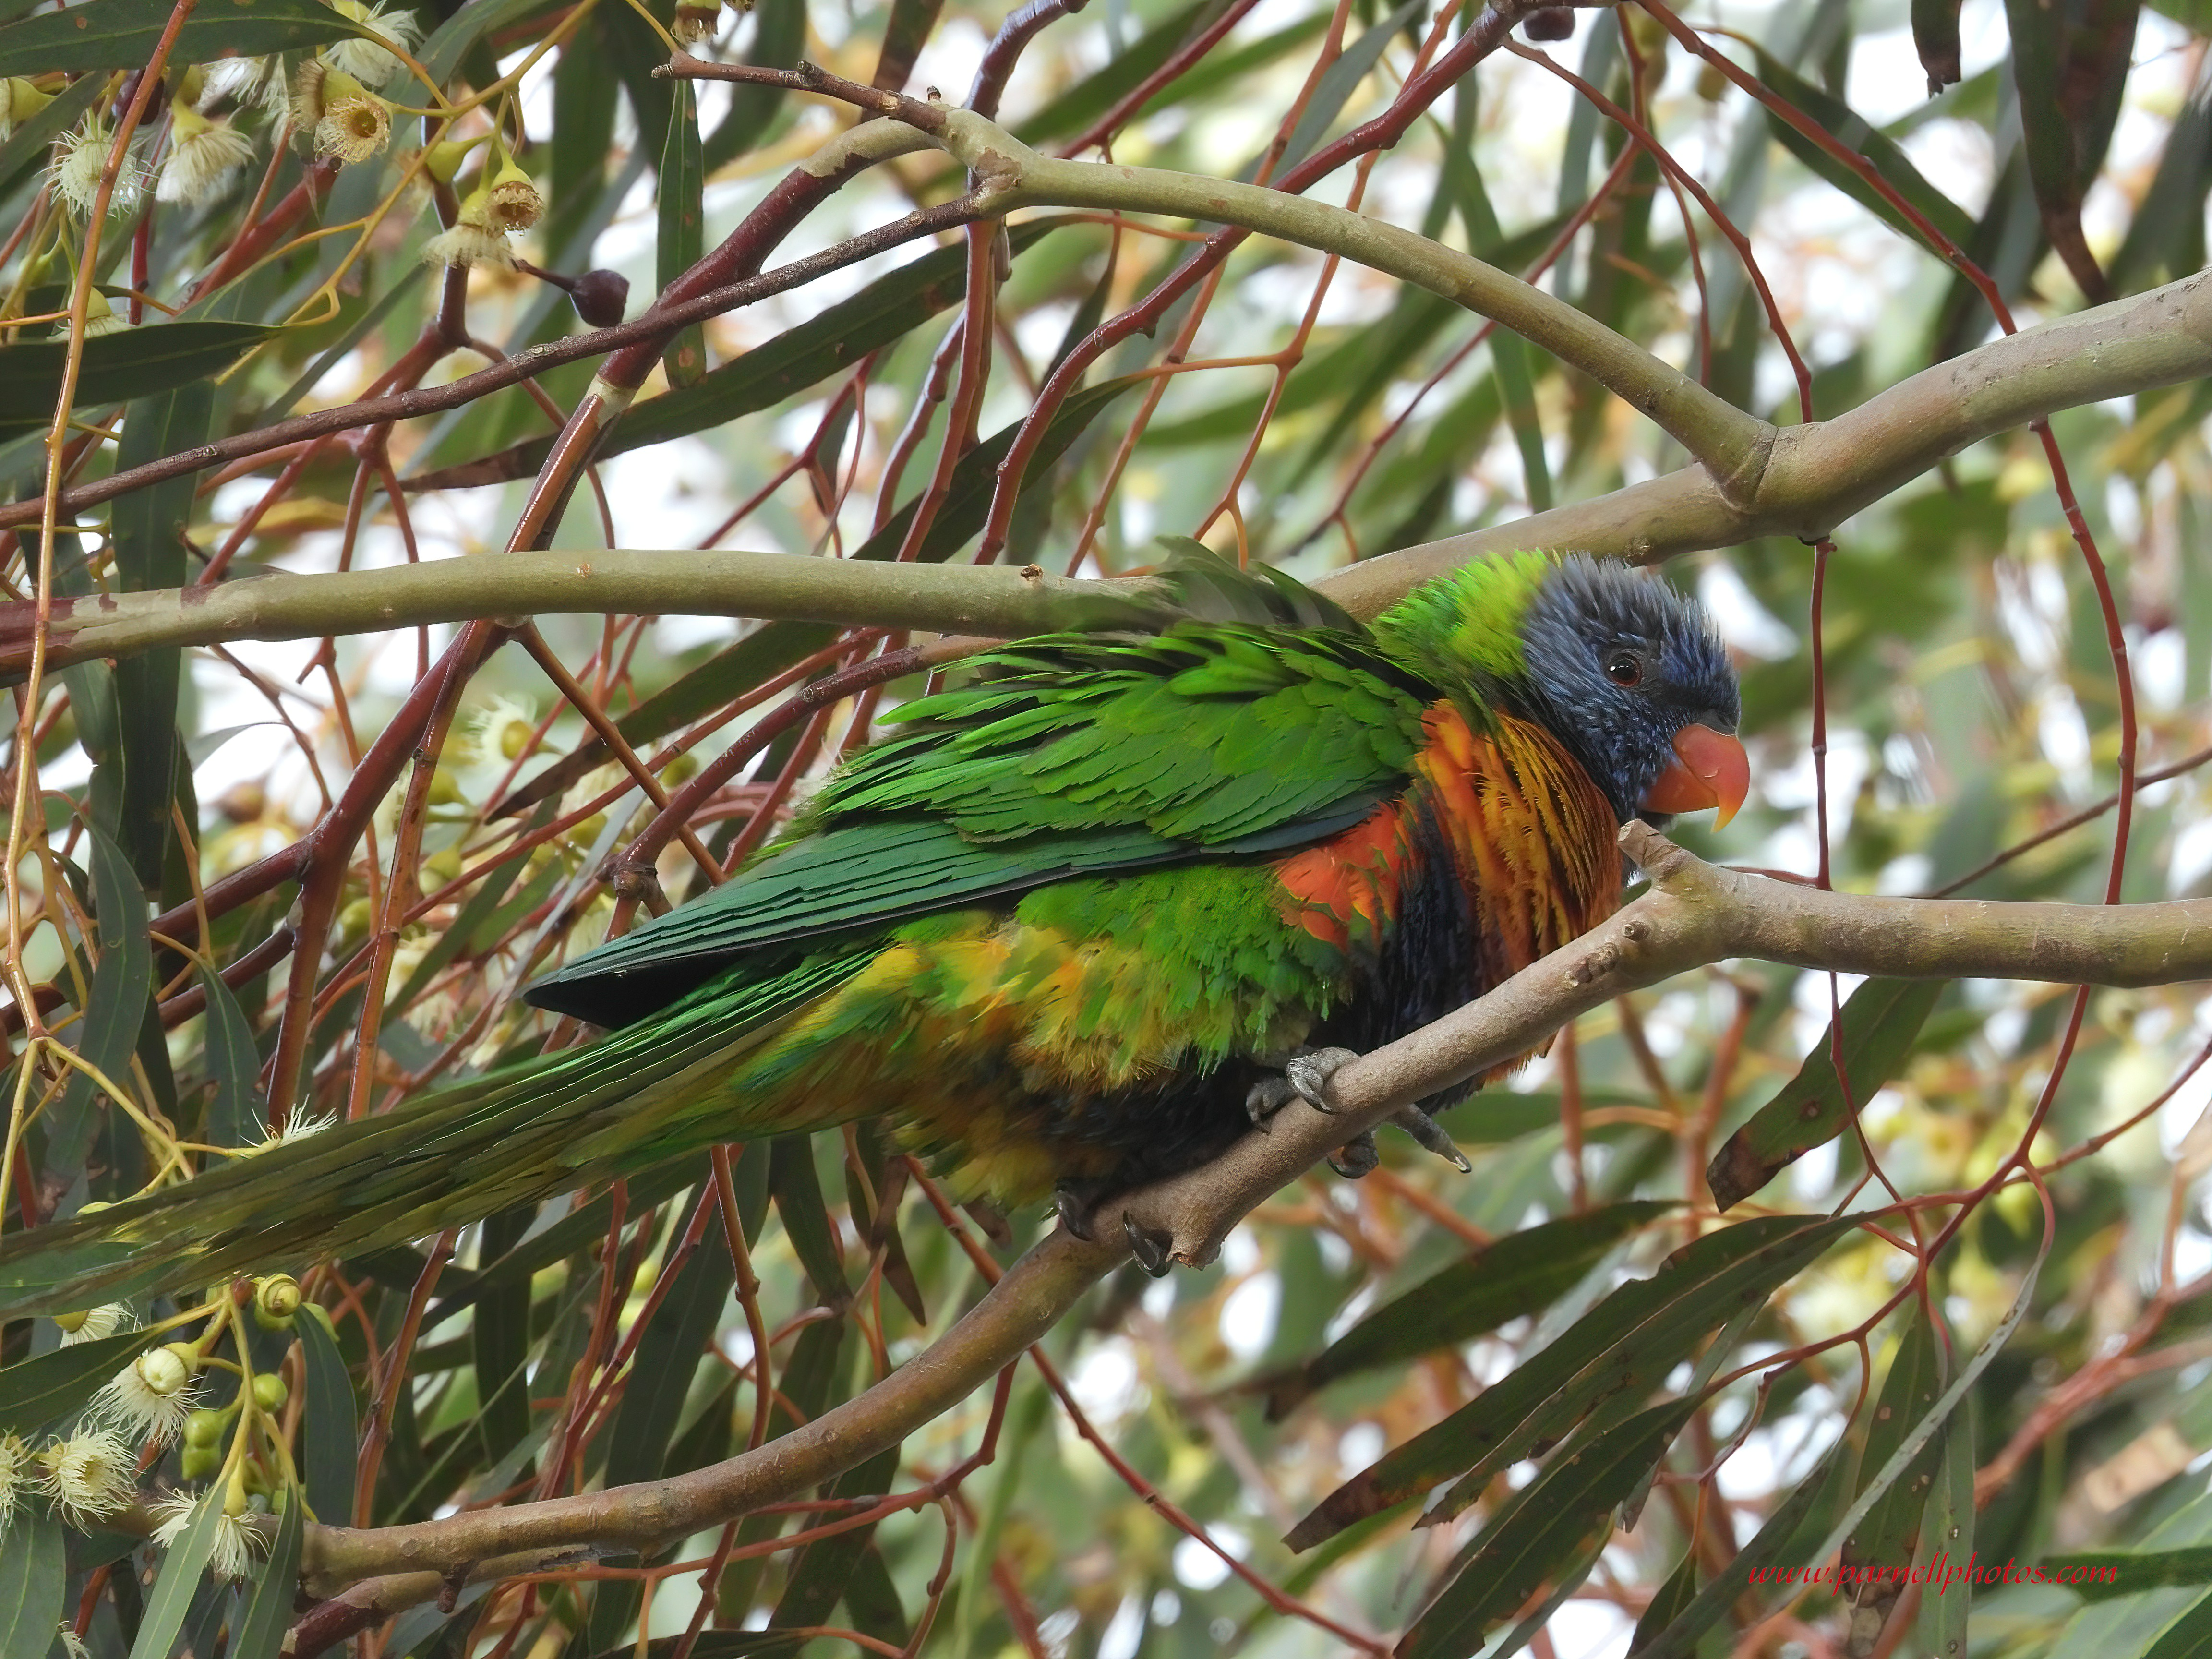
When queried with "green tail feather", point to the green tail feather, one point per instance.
{"points": [[447, 1157]]}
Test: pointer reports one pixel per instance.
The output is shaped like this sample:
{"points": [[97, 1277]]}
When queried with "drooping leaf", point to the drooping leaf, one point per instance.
{"points": [[797, 1192], [233, 1064], [1880, 1021], [149, 530], [1540, 1528], [667, 1353], [2071, 60], [904, 32], [275, 1583], [173, 1592], [134, 363], [1671, 1599], [836, 1568], [1852, 131], [682, 236], [112, 35], [1918, 1436], [34, 1582], [1618, 1351], [328, 1459], [1935, 37], [47, 1388], [1947, 1534], [115, 1007], [1519, 1274], [1875, 1555], [1765, 1552], [1339, 80]]}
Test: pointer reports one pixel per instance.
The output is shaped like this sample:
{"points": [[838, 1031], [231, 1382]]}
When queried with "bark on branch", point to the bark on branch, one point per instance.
{"points": [[1693, 914], [1816, 476], [946, 598]]}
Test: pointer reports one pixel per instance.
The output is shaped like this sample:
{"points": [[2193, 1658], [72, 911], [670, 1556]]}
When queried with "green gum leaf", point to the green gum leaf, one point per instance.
{"points": [[111, 34]]}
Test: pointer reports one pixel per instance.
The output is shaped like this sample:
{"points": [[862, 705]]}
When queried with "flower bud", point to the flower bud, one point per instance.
{"points": [[166, 1371], [276, 1299], [204, 1428], [18, 101], [198, 1462], [270, 1393], [443, 159], [600, 297]]}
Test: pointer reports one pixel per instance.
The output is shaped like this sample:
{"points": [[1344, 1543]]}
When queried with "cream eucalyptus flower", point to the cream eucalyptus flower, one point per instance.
{"points": [[93, 1323], [149, 1399], [90, 1475], [474, 239], [78, 161], [365, 60], [16, 1477], [238, 1542], [350, 122], [203, 155]]}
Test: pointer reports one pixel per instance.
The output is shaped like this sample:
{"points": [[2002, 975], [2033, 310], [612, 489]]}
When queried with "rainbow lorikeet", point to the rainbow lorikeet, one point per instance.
{"points": [[1069, 926]]}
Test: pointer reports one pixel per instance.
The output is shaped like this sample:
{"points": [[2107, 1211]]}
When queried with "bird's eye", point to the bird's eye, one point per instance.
{"points": [[1624, 668]]}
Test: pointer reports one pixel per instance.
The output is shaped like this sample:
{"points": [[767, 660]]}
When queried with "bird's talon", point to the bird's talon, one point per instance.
{"points": [[1308, 1075], [1266, 1097], [1356, 1158], [1431, 1134], [1077, 1214], [1149, 1245]]}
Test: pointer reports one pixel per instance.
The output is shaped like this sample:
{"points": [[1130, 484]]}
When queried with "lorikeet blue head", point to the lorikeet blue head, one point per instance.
{"points": [[1625, 672]]}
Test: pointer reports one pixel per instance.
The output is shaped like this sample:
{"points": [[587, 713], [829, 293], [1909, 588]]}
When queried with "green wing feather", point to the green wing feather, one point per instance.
{"points": [[1070, 755]]}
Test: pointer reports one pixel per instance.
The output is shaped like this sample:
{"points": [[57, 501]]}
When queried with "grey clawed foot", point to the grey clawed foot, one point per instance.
{"points": [[1266, 1097], [1149, 1245], [1078, 1212], [1431, 1134], [1356, 1158], [1309, 1070]]}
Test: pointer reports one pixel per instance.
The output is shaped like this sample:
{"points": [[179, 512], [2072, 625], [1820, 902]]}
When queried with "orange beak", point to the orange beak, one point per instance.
{"points": [[1710, 770]]}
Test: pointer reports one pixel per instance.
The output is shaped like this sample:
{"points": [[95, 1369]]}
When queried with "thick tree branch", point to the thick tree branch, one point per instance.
{"points": [[1818, 475], [947, 598], [1694, 913]]}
